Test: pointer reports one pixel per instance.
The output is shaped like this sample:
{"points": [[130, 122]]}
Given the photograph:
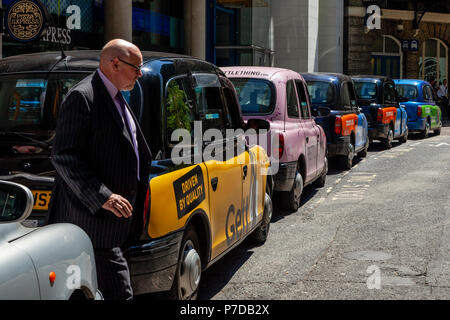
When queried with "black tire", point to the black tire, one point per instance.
{"points": [[365, 151], [346, 162], [404, 138], [320, 183], [291, 199], [387, 143], [425, 133], [259, 236], [186, 283], [437, 131]]}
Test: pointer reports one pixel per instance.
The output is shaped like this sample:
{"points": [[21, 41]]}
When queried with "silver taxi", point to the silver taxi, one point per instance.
{"points": [[54, 262]]}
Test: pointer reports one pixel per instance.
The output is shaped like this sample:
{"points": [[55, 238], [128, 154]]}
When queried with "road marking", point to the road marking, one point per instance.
{"points": [[355, 188]]}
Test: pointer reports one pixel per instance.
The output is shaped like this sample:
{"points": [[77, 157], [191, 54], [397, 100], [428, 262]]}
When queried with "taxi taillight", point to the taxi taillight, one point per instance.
{"points": [[146, 207], [338, 125], [380, 115], [280, 145], [419, 111]]}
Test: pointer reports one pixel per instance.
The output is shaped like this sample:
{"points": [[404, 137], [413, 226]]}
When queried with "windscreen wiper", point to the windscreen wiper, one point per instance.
{"points": [[42, 144]]}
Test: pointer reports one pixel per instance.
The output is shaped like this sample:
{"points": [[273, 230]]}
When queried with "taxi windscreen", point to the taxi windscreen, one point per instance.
{"points": [[29, 107], [256, 96]]}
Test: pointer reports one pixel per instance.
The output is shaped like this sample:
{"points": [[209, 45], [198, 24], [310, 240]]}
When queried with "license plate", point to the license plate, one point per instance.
{"points": [[41, 199]]}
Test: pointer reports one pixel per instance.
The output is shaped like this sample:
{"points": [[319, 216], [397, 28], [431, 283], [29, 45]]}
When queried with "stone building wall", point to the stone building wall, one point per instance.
{"points": [[358, 44]]}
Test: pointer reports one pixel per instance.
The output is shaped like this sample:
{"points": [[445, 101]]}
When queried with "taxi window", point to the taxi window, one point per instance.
{"points": [[291, 98], [209, 101], [320, 92], [302, 96], [180, 112], [407, 91], [365, 90], [256, 96], [29, 107], [348, 99]]}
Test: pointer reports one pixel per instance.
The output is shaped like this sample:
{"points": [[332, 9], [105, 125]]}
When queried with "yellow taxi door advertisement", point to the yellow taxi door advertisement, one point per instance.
{"points": [[173, 203]]}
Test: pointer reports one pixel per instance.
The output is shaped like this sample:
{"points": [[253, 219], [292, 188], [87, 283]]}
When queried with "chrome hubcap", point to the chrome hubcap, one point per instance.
{"points": [[298, 186], [268, 210], [190, 271]]}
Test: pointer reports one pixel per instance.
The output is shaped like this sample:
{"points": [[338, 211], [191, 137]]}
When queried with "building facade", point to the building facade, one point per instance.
{"points": [[88, 24], [302, 35], [411, 41]]}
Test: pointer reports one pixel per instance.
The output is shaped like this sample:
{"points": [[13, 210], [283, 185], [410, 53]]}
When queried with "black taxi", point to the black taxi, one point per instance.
{"points": [[197, 207]]}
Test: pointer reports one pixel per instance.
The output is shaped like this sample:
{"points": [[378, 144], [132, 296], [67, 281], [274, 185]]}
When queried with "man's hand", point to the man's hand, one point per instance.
{"points": [[119, 206]]}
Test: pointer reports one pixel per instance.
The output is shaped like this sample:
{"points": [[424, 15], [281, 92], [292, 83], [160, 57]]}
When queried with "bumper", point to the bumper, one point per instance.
{"points": [[379, 131], [284, 179], [153, 264], [339, 147], [417, 125]]}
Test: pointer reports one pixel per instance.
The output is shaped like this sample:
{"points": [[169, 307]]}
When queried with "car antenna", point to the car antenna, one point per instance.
{"points": [[63, 54]]}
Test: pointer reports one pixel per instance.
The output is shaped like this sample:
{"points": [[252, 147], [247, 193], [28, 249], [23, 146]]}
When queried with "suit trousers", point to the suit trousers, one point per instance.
{"points": [[113, 274]]}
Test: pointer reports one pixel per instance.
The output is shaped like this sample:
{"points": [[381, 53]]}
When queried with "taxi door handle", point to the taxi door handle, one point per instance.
{"points": [[214, 182], [245, 170]]}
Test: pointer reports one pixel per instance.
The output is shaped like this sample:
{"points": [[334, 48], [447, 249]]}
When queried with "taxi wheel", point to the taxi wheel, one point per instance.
{"points": [[365, 151], [424, 134], [259, 236], [346, 162], [189, 268], [387, 143], [437, 131], [404, 139], [292, 199]]}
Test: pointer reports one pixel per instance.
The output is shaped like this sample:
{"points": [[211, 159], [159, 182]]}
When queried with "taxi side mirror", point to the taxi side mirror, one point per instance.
{"points": [[257, 124], [322, 112], [16, 202]]}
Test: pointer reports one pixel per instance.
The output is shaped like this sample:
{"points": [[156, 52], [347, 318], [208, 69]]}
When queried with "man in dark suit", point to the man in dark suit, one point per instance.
{"points": [[102, 164]]}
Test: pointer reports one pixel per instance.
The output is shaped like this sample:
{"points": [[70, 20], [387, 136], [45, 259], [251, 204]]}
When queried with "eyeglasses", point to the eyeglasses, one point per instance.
{"points": [[137, 68]]}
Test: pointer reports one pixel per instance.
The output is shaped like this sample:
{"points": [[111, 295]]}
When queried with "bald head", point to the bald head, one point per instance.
{"points": [[118, 48], [117, 59]]}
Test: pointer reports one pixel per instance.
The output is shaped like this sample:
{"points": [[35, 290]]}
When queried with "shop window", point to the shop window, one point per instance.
{"points": [[433, 63], [158, 25], [387, 57]]}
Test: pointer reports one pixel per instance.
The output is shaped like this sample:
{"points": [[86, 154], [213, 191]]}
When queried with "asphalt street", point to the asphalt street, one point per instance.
{"points": [[378, 231]]}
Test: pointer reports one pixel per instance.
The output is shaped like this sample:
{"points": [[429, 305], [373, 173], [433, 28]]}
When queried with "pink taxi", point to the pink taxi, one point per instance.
{"points": [[280, 96]]}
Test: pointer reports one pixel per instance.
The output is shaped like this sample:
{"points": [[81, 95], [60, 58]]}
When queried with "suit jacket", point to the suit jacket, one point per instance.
{"points": [[94, 157]]}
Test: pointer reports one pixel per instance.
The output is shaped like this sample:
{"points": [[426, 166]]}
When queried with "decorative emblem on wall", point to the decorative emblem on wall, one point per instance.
{"points": [[25, 20]]}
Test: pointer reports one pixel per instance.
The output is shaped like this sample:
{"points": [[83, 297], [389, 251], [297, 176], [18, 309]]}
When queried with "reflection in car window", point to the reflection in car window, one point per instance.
{"points": [[407, 91], [255, 95], [320, 92], [209, 101], [365, 90], [179, 106], [30, 105]]}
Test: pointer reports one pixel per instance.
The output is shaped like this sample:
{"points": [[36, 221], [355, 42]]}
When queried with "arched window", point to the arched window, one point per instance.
{"points": [[434, 60], [387, 57]]}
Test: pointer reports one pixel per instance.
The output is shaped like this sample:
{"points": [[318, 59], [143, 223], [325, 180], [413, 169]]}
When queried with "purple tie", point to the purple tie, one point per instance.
{"points": [[126, 120]]}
